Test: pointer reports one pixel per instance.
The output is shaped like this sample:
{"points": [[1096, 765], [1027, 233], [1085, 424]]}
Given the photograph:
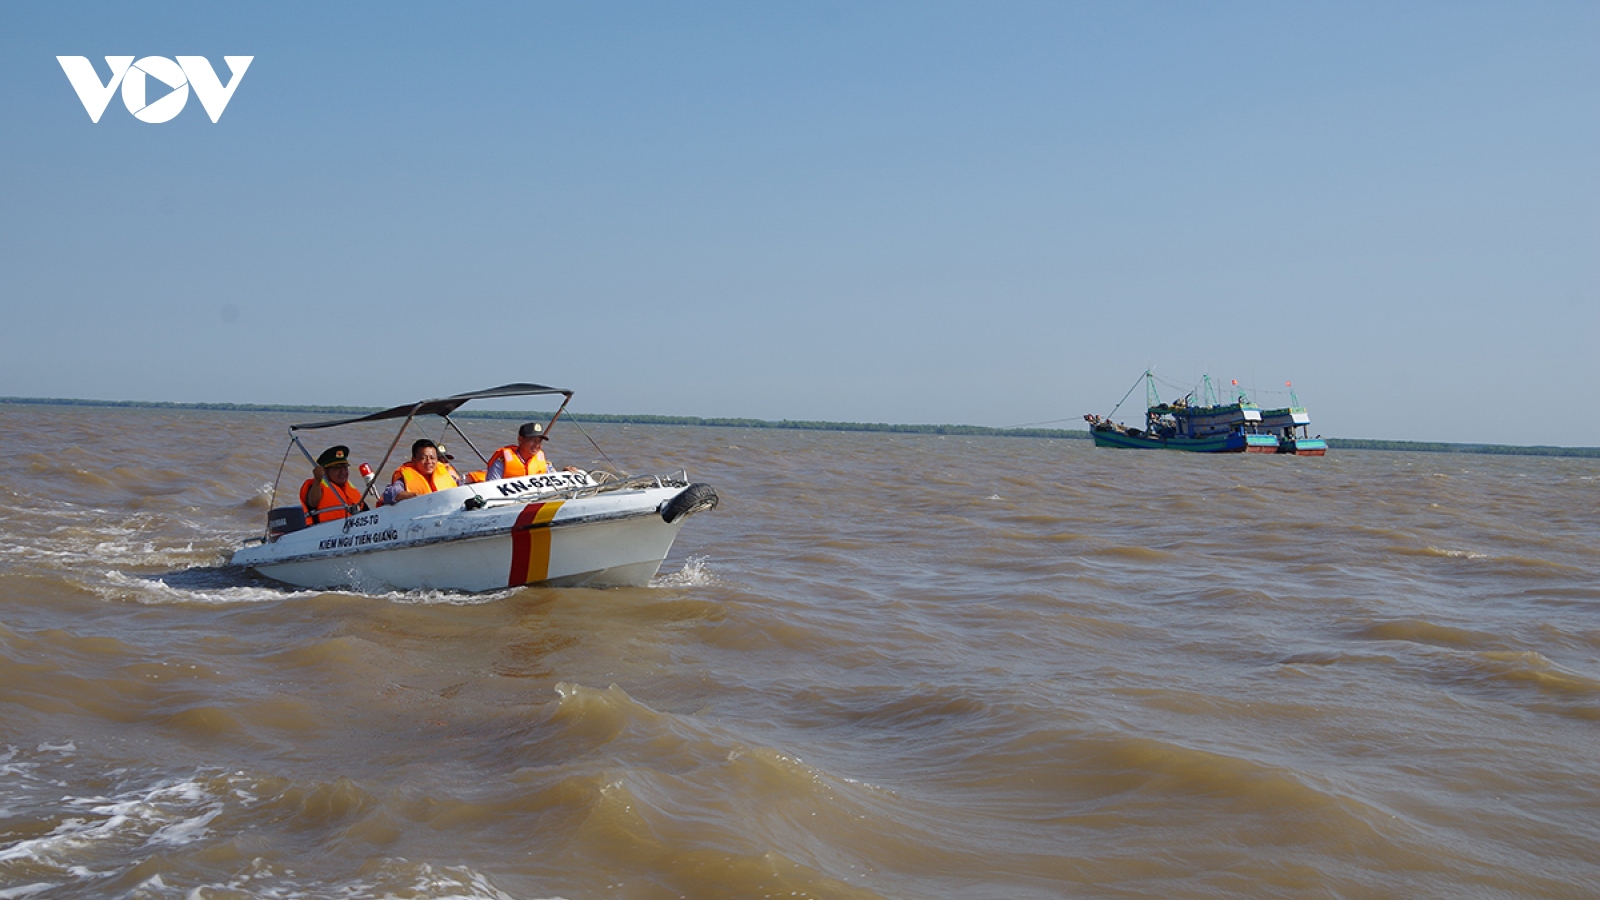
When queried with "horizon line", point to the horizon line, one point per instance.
{"points": [[799, 424]]}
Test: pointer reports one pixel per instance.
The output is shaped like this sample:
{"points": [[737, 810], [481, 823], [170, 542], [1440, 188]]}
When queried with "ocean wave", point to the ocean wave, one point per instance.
{"points": [[143, 837], [76, 834], [1424, 632], [436, 597], [642, 808], [902, 710], [155, 590], [1511, 565], [1436, 551], [69, 550], [231, 585], [1557, 688], [696, 572], [1488, 667], [1134, 554]]}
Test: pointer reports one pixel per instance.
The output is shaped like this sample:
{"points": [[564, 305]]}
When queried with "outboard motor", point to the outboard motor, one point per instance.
{"points": [[285, 519]]}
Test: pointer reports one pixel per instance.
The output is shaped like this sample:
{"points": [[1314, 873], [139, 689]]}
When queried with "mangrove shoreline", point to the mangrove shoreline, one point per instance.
{"points": [[804, 425]]}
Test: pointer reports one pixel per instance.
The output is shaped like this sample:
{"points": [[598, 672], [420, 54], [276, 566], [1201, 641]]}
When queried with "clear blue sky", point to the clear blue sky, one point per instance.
{"points": [[978, 213]]}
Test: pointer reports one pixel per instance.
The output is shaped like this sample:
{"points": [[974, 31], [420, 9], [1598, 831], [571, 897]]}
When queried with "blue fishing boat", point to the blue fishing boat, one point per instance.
{"points": [[1205, 425]]}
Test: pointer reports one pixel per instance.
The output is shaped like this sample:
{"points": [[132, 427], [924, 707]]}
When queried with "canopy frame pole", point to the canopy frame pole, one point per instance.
{"points": [[295, 438], [566, 397], [463, 435], [598, 449], [388, 453]]}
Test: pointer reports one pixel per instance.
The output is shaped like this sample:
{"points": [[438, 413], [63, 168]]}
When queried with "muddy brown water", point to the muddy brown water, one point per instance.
{"points": [[886, 667]]}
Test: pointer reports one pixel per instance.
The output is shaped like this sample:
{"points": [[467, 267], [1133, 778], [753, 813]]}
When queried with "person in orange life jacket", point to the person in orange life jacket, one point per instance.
{"points": [[328, 493], [422, 475], [525, 457]]}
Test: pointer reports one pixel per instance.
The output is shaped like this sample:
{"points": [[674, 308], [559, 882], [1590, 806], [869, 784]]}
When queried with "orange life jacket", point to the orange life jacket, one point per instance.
{"points": [[335, 499], [516, 468], [418, 483]]}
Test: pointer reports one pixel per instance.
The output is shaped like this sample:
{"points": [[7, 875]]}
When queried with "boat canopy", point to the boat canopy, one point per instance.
{"points": [[441, 407]]}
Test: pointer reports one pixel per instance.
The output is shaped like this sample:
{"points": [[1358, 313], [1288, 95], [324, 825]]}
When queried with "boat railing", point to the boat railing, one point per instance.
{"points": [[608, 484]]}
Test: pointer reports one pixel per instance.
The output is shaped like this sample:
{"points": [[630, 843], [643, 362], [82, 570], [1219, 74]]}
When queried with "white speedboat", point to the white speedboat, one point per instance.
{"points": [[563, 528]]}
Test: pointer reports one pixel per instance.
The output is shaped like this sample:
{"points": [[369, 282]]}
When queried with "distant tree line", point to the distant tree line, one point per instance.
{"points": [[811, 425], [804, 425], [797, 424], [1435, 447], [216, 407]]}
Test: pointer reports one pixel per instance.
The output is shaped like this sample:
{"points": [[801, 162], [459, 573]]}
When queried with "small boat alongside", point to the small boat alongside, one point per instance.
{"points": [[1292, 426], [566, 528], [1202, 425]]}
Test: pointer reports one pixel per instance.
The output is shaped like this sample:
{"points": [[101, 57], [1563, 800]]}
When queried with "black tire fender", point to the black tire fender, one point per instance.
{"points": [[692, 499]]}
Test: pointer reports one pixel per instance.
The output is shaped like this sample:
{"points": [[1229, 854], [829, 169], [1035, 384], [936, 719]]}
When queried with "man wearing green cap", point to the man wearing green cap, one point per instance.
{"points": [[328, 493]]}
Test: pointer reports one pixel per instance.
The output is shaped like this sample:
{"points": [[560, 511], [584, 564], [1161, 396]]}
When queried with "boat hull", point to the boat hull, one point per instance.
{"points": [[1304, 447], [1225, 443], [474, 539]]}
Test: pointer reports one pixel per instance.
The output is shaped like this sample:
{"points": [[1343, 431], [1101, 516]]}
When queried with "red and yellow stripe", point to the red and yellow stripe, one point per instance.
{"points": [[530, 543]]}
